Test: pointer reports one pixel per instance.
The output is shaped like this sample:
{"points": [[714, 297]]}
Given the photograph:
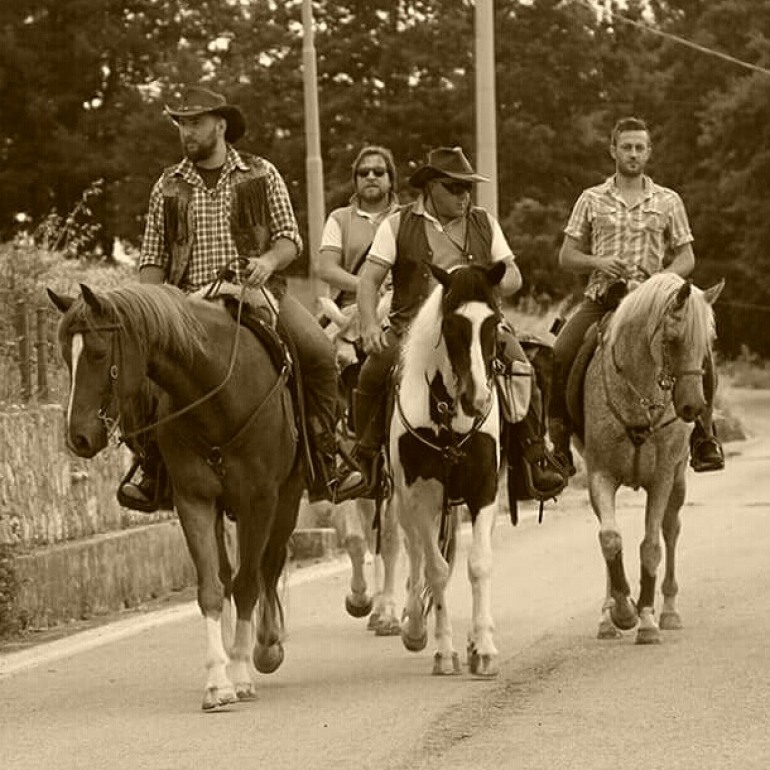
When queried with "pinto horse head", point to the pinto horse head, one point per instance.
{"points": [[470, 315]]}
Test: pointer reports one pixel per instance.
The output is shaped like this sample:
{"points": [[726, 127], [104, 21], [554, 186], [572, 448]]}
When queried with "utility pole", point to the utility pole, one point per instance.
{"points": [[486, 123], [316, 212]]}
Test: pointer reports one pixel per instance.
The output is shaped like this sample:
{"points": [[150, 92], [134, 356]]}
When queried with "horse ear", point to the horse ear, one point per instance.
{"points": [[91, 299], [62, 303], [441, 275], [682, 294], [496, 272], [711, 295]]}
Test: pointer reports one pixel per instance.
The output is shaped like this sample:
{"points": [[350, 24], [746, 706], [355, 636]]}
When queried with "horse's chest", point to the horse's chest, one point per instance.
{"points": [[469, 472]]}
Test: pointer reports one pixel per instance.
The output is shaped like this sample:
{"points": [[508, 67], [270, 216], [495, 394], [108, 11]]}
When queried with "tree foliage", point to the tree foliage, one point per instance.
{"points": [[83, 84]]}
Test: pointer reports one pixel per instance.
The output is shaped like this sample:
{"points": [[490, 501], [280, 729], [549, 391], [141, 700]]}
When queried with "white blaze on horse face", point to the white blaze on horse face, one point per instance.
{"points": [[77, 349], [477, 313]]}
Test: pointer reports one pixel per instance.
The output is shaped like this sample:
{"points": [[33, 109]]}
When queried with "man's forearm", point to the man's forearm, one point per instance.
{"points": [[576, 261], [151, 274], [280, 254]]}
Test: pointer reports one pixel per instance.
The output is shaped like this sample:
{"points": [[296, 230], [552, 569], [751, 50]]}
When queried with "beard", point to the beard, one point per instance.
{"points": [[200, 149]]}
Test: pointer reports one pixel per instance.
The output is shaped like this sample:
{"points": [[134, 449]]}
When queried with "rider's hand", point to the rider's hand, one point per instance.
{"points": [[614, 268], [258, 271], [373, 339]]}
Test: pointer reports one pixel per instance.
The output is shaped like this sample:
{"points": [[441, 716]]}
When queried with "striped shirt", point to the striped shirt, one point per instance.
{"points": [[644, 235], [213, 245]]}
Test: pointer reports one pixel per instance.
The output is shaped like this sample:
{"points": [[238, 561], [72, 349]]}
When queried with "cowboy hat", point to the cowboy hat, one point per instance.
{"points": [[446, 162], [197, 100]]}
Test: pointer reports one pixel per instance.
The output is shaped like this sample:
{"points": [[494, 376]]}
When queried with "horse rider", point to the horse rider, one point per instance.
{"points": [[619, 233], [217, 205], [349, 230], [443, 227]]}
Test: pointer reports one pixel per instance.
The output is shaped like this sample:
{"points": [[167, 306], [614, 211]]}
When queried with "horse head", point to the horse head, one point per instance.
{"points": [[469, 318], [87, 338]]}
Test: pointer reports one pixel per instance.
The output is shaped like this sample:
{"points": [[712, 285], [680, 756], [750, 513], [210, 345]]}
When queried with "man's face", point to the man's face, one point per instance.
{"points": [[631, 152], [450, 197], [372, 180], [200, 135]]}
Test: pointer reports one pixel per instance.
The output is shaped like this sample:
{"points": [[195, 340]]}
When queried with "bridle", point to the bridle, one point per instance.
{"points": [[213, 454], [655, 408]]}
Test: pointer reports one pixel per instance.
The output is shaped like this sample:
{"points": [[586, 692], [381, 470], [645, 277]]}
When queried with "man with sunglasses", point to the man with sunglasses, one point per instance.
{"points": [[349, 230], [441, 226]]}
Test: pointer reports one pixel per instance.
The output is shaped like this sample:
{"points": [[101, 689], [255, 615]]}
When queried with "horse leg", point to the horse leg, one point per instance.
{"points": [[413, 633], [198, 519], [672, 525], [358, 603], [618, 610], [649, 560], [269, 652], [388, 622], [437, 573], [482, 653], [227, 542]]}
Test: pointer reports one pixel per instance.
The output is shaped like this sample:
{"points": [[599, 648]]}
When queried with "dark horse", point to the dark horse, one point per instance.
{"points": [[227, 435], [445, 449], [643, 386]]}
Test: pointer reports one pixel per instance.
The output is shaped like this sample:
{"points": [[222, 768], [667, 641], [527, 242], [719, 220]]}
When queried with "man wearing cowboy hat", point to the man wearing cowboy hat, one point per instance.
{"points": [[444, 227], [216, 205]]}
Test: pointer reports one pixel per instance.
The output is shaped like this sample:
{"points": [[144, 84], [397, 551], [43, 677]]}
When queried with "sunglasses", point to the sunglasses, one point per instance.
{"points": [[455, 188], [364, 172]]}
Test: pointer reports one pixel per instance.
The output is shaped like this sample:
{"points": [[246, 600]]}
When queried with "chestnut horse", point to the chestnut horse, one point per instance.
{"points": [[228, 437]]}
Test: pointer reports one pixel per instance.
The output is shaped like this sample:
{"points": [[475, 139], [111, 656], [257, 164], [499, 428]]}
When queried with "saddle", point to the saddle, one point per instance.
{"points": [[280, 347]]}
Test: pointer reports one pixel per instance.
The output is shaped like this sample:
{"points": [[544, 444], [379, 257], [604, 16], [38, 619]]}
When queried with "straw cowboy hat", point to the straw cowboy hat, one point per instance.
{"points": [[446, 162], [197, 100]]}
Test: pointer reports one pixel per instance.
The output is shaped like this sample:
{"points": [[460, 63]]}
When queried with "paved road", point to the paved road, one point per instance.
{"points": [[128, 696]]}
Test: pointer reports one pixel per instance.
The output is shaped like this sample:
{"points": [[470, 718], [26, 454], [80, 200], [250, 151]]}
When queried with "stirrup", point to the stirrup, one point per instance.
{"points": [[133, 503]]}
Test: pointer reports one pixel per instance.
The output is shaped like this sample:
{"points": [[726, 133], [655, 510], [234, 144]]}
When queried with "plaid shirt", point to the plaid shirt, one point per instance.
{"points": [[643, 234], [213, 245]]}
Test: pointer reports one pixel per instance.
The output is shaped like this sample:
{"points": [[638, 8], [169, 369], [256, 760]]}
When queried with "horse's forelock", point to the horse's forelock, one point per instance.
{"points": [[469, 284]]}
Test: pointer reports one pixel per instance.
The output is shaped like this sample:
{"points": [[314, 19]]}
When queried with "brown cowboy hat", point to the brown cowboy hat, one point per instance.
{"points": [[443, 162], [197, 100]]}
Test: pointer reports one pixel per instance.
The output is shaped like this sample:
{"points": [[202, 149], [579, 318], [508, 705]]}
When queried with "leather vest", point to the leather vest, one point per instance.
{"points": [[249, 215], [412, 280]]}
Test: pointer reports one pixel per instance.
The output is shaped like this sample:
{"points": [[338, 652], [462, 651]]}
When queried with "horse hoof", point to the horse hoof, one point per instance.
{"points": [[268, 659], [358, 610], [624, 613], [414, 643], [245, 691], [648, 636], [387, 627], [483, 666], [608, 630], [446, 665], [670, 621], [373, 622], [217, 698]]}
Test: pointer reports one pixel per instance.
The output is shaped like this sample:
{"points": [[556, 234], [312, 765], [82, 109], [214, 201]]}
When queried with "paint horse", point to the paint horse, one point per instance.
{"points": [[444, 449], [365, 529], [228, 438], [643, 386]]}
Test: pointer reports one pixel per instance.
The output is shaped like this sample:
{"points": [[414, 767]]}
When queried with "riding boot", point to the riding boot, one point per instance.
{"points": [[548, 477], [150, 491], [560, 433], [330, 481], [369, 419], [706, 452]]}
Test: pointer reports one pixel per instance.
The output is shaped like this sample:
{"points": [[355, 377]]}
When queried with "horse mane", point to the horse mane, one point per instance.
{"points": [[158, 316], [650, 301], [423, 336]]}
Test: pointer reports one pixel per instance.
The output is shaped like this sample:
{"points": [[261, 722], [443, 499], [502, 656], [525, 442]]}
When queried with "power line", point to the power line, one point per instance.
{"points": [[679, 40]]}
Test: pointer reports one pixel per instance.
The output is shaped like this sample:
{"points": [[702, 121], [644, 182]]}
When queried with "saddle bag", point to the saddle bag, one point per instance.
{"points": [[514, 387]]}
